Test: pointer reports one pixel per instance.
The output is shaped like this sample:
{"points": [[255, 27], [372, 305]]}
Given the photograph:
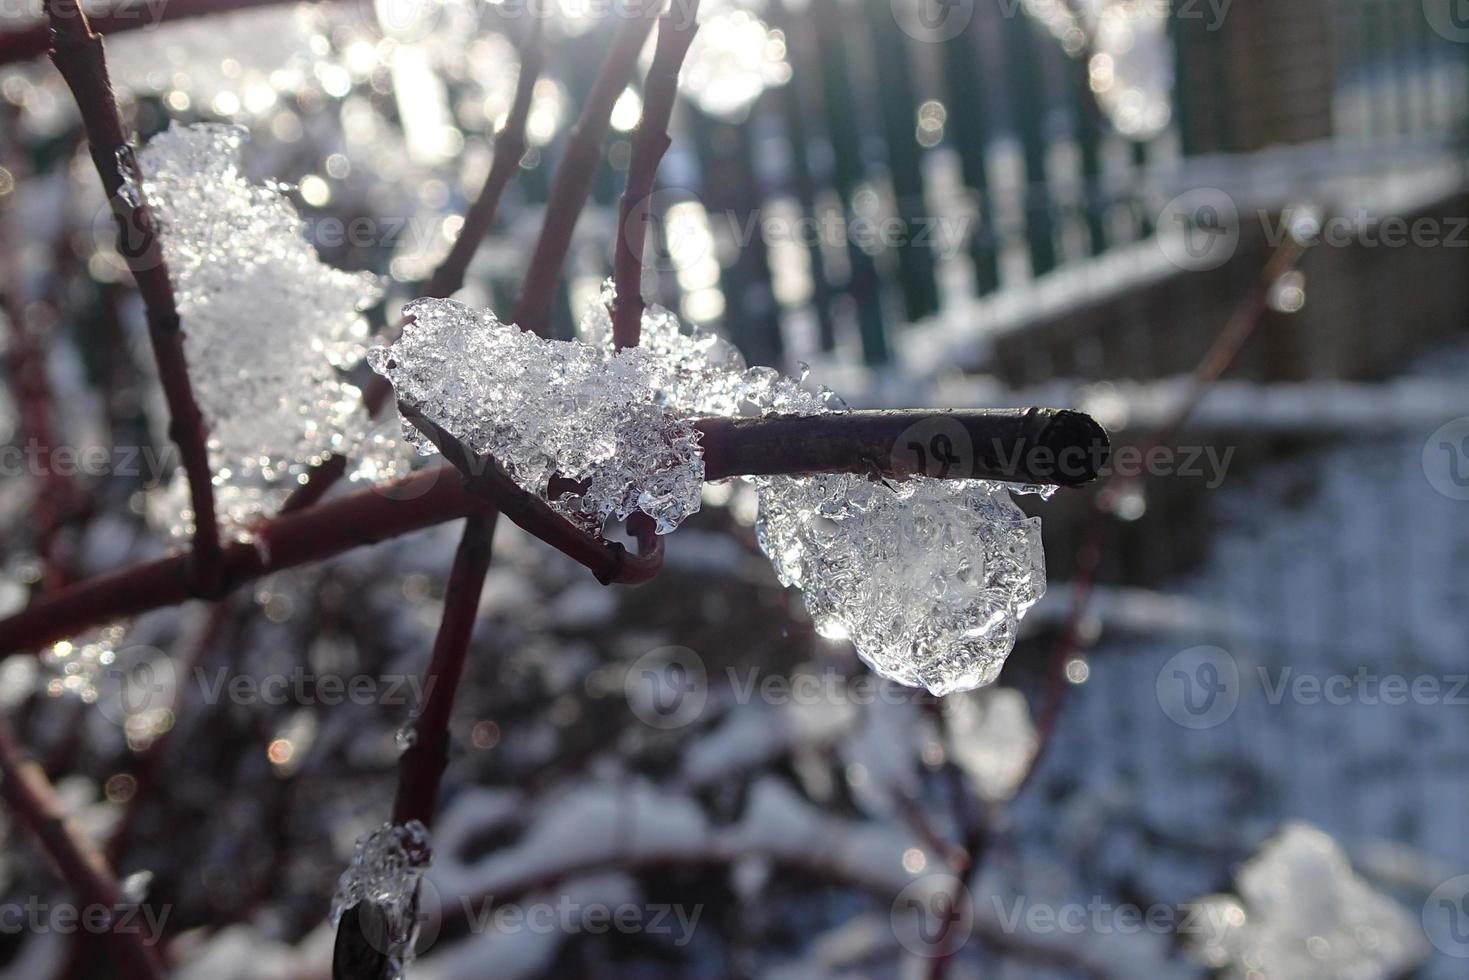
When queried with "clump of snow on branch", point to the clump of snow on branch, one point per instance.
{"points": [[385, 871], [1302, 912], [266, 324], [548, 408]]}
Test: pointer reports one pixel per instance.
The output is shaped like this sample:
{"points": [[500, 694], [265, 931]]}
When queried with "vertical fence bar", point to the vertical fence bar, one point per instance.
{"points": [[969, 122], [904, 159], [795, 113], [1027, 93], [846, 144], [732, 196], [1088, 129]]}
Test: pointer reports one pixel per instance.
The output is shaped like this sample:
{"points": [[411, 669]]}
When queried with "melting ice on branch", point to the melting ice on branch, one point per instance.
{"points": [[385, 872], [547, 408], [927, 577]]}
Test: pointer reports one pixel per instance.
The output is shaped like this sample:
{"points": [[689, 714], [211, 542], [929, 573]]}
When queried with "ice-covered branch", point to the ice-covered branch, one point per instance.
{"points": [[573, 180], [486, 480], [651, 141], [29, 796], [77, 52]]}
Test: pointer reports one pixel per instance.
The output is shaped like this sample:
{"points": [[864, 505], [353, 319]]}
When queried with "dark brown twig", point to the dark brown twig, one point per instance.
{"points": [[77, 53], [574, 174], [421, 766], [29, 795], [650, 142], [1042, 446]]}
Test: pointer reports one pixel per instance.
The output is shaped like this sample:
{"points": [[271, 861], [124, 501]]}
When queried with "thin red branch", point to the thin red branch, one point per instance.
{"points": [[485, 479], [574, 174], [421, 767], [660, 89], [427, 498], [77, 53], [53, 495], [1220, 355], [510, 146], [30, 797]]}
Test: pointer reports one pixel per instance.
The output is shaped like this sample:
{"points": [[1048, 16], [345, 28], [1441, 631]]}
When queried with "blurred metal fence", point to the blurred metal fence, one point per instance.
{"points": [[893, 177]]}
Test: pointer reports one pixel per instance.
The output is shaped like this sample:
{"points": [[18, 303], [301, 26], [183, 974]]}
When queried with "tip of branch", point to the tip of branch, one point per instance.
{"points": [[1067, 431]]}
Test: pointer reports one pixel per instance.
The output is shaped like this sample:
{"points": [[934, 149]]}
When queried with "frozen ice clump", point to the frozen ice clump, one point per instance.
{"points": [[1303, 913], [266, 324], [547, 408], [928, 578], [385, 871]]}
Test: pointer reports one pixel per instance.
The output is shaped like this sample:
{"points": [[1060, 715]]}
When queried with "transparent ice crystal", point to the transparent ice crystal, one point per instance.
{"points": [[547, 408], [1303, 913], [266, 324], [386, 868]]}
